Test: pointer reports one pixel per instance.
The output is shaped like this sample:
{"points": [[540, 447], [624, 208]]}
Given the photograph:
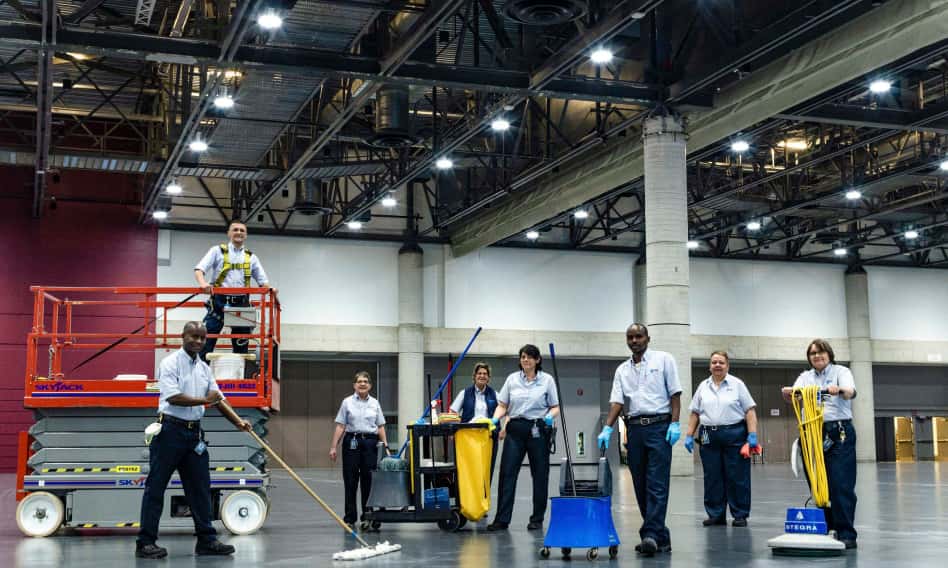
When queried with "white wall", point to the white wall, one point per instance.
{"points": [[908, 304], [767, 299], [501, 288], [321, 282]]}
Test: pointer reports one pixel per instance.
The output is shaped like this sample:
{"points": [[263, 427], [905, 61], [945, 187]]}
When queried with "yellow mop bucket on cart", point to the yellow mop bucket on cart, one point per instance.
{"points": [[472, 450]]}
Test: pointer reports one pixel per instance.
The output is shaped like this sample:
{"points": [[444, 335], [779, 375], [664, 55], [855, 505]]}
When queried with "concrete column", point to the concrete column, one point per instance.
{"points": [[860, 349], [641, 269], [666, 236], [411, 340]]}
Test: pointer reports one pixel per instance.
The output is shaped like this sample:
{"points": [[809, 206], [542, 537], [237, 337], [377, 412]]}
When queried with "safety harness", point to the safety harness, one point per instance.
{"points": [[245, 265]]}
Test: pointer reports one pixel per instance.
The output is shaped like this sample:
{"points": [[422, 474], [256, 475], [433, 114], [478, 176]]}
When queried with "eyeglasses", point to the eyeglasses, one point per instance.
{"points": [[811, 353]]}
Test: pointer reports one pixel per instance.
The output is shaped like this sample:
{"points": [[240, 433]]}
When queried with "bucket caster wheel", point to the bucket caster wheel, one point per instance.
{"points": [[566, 551], [545, 552], [376, 525], [613, 551], [451, 524], [592, 554]]}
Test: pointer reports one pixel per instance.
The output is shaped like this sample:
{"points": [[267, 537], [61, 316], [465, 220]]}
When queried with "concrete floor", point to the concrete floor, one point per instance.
{"points": [[902, 517]]}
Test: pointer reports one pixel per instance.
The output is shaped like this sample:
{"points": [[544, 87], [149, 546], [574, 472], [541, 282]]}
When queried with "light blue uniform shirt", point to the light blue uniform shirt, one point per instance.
{"points": [[480, 403], [528, 399], [834, 407], [213, 262], [178, 374], [722, 405], [360, 416], [646, 387]]}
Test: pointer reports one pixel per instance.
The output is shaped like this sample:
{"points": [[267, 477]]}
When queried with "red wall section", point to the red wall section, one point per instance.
{"points": [[86, 240]]}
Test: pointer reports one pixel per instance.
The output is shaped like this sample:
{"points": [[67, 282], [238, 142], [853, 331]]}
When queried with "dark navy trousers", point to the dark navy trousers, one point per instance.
{"points": [[840, 462], [518, 443], [650, 464], [727, 474], [214, 322], [173, 450], [357, 466]]}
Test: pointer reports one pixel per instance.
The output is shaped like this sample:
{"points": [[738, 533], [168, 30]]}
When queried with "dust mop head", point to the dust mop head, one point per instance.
{"points": [[367, 551], [393, 463]]}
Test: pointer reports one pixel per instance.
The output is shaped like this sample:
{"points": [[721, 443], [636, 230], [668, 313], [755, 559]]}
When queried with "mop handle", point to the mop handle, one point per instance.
{"points": [[444, 383], [559, 395], [227, 411]]}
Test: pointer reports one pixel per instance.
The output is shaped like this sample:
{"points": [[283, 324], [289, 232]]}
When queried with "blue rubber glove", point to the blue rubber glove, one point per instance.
{"points": [[548, 419], [752, 439], [604, 437], [690, 443], [421, 422], [496, 421], [674, 432]]}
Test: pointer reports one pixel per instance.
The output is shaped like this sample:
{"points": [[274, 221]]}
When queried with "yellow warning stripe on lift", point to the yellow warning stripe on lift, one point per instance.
{"points": [[88, 526], [238, 468], [126, 525], [116, 469]]}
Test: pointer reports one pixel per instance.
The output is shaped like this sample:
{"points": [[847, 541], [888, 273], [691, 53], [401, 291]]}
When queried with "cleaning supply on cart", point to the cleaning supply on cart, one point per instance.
{"points": [[434, 412], [472, 450], [746, 450], [449, 418]]}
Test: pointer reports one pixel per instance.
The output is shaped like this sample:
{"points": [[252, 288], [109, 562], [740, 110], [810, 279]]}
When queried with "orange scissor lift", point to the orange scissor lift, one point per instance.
{"points": [[83, 463]]}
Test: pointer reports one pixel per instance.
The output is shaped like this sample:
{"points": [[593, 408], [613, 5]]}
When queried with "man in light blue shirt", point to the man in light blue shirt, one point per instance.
{"points": [[647, 391], [228, 265], [186, 386]]}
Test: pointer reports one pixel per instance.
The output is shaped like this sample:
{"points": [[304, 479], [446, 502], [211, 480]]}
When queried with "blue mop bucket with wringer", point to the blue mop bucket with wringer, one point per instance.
{"points": [[581, 517]]}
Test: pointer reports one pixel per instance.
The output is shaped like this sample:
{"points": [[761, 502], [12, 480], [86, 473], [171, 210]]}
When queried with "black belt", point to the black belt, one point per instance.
{"points": [[838, 422], [362, 435], [645, 420], [189, 424], [740, 424], [537, 421]]}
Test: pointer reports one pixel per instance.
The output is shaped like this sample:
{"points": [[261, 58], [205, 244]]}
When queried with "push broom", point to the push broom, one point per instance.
{"points": [[367, 550]]}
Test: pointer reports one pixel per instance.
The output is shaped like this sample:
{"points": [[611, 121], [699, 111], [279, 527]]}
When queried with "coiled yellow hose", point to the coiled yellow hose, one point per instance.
{"points": [[808, 407]]}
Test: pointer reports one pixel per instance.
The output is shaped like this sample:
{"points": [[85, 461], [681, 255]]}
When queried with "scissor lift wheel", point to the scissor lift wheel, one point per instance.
{"points": [[243, 512], [40, 514]]}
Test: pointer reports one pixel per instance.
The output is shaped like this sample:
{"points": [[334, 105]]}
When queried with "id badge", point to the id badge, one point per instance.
{"points": [[353, 444], [705, 436], [200, 447], [535, 431]]}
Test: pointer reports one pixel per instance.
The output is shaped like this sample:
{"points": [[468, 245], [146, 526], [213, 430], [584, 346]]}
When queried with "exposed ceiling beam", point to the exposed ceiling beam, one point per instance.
{"points": [[880, 37], [322, 63], [889, 119], [44, 102], [420, 30], [239, 24]]}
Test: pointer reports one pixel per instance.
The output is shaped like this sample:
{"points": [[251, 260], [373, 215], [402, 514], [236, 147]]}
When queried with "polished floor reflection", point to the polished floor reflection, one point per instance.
{"points": [[902, 519]]}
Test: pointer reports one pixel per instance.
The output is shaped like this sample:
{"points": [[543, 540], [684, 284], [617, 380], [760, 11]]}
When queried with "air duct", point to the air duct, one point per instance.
{"points": [[392, 125], [544, 12], [310, 198]]}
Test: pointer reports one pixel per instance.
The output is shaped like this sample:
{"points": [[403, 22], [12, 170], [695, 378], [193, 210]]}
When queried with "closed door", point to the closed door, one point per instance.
{"points": [[904, 439], [311, 392]]}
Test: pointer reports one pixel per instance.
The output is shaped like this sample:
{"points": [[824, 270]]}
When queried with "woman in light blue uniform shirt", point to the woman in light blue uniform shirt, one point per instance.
{"points": [[838, 434], [528, 398], [726, 412]]}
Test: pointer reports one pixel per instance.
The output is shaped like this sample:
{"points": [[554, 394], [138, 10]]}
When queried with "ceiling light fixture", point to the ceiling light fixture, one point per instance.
{"points": [[911, 234], [841, 251], [601, 56], [159, 215], [174, 188], [753, 226], [444, 164], [354, 225], [389, 201], [581, 214], [793, 144], [198, 145], [499, 125], [880, 86], [943, 166], [740, 146], [223, 100], [269, 20], [692, 245], [533, 235], [853, 194]]}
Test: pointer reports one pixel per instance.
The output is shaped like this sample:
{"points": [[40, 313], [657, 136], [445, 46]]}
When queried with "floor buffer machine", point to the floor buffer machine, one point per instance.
{"points": [[805, 528], [581, 517]]}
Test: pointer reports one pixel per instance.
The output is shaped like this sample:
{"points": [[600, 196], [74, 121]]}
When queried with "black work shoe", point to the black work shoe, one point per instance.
{"points": [[849, 543], [534, 526], [150, 551], [742, 522], [648, 547], [213, 548], [712, 522], [497, 526]]}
